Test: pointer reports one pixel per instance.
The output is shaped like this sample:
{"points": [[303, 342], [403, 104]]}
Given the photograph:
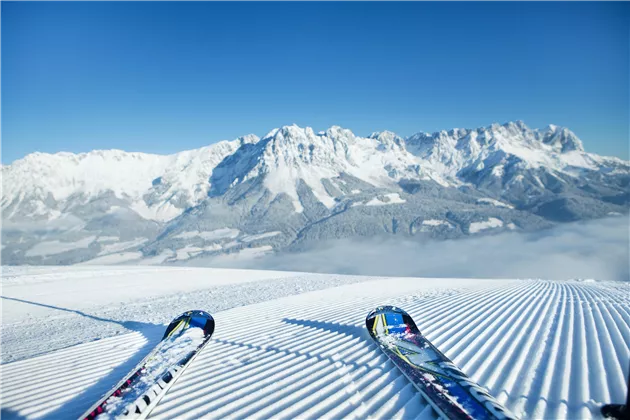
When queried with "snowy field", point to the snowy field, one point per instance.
{"points": [[294, 345]]}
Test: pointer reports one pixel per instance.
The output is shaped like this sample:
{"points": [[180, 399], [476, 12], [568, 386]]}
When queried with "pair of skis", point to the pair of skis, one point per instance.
{"points": [[451, 393]]}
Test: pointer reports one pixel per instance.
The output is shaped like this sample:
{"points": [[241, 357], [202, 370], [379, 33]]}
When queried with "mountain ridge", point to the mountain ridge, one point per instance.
{"points": [[306, 186], [273, 131]]}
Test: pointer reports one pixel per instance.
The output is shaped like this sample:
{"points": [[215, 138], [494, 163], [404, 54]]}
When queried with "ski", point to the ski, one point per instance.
{"points": [[443, 385], [139, 392], [618, 411], [615, 411]]}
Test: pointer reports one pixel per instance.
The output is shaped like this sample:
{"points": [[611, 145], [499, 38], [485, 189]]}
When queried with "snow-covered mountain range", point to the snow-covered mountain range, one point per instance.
{"points": [[294, 186]]}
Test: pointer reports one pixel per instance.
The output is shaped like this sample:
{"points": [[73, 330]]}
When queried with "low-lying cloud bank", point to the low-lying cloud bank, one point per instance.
{"points": [[593, 250]]}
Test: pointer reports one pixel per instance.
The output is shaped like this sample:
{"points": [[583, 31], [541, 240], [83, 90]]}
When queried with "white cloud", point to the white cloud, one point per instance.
{"points": [[597, 249]]}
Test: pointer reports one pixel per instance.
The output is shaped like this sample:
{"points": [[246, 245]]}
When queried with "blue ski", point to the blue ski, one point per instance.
{"points": [[443, 385]]}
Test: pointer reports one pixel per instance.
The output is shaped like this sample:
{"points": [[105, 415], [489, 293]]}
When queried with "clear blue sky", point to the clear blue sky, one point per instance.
{"points": [[163, 77]]}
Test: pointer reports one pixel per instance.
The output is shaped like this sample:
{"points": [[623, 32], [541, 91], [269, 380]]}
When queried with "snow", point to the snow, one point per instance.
{"points": [[490, 223], [121, 246], [56, 247], [494, 202], [114, 209], [107, 239], [251, 238], [291, 345], [187, 252], [435, 222], [128, 175], [393, 198], [249, 253], [164, 255], [116, 258], [498, 171], [122, 283], [162, 213], [211, 235], [324, 198], [192, 251], [429, 224]]}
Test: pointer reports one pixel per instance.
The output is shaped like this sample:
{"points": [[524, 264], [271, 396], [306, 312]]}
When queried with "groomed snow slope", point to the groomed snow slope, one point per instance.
{"points": [[545, 349]]}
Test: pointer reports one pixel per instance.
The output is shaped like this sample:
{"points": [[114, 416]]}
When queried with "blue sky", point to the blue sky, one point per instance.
{"points": [[163, 77]]}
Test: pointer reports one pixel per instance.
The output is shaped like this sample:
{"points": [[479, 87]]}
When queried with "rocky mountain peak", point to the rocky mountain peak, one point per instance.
{"points": [[249, 139], [388, 139], [561, 139]]}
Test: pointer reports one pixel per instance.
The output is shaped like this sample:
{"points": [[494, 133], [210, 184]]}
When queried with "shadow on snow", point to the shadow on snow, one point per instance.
{"points": [[90, 395]]}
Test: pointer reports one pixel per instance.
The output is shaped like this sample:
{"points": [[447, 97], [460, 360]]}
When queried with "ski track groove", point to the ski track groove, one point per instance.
{"points": [[522, 381], [529, 354], [473, 319], [545, 349], [492, 370], [46, 380], [470, 338], [560, 391], [593, 352], [489, 342], [427, 413], [304, 383], [444, 323], [579, 385], [606, 357]]}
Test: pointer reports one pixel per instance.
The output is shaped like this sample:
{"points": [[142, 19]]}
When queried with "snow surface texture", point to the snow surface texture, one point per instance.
{"points": [[293, 188], [544, 349], [73, 307]]}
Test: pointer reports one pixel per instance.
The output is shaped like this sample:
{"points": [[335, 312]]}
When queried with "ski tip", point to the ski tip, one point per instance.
{"points": [[193, 318], [385, 309], [195, 312], [392, 317]]}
